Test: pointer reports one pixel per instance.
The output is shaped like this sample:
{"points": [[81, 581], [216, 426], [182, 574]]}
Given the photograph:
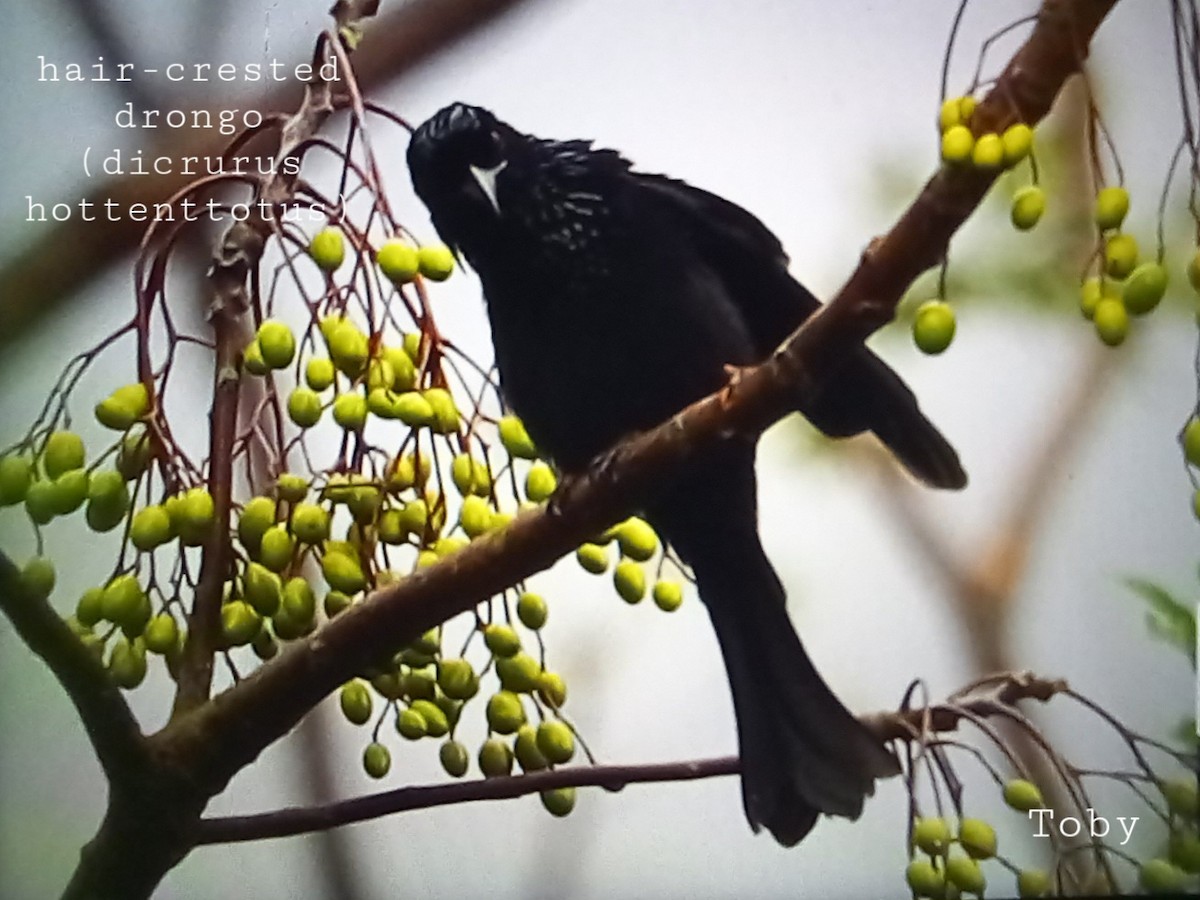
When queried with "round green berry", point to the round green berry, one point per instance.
{"points": [[1111, 321], [411, 724], [1033, 883], [122, 599], [964, 872], [343, 572], [495, 758], [505, 712], [1028, 206], [127, 663], [934, 326], [1120, 254], [518, 673], [350, 411], [108, 500], [592, 558], [501, 639], [1184, 849], [525, 748], [978, 838], [150, 528], [556, 741], [932, 835], [629, 579], [1160, 876], [924, 880], [276, 343], [355, 700], [348, 348], [1017, 142], [1145, 288], [1112, 205], [319, 373], [446, 417], [540, 482], [162, 634], [436, 723], [41, 501], [436, 262], [257, 516], [957, 144], [398, 261], [988, 152], [668, 595], [64, 451], [475, 516], [559, 802], [328, 248], [1181, 796], [552, 690], [1023, 795], [637, 539], [133, 456], [70, 490], [276, 548], [38, 577], [1191, 441], [336, 602], [240, 623], [124, 406], [457, 679], [454, 758], [516, 439], [532, 610], [90, 608], [252, 359], [304, 407], [1091, 292], [948, 114], [310, 523], [16, 475], [377, 760], [413, 409]]}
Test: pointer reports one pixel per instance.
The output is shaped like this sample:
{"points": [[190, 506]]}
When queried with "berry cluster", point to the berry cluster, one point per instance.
{"points": [[413, 480]]}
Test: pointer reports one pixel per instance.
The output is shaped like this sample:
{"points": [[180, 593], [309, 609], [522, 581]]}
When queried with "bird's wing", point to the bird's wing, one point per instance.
{"points": [[741, 251]]}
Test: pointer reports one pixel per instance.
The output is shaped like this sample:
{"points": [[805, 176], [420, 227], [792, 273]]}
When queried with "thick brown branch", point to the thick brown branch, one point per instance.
{"points": [[106, 717]]}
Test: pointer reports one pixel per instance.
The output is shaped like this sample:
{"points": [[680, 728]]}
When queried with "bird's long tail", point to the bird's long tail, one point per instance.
{"points": [[866, 395], [802, 752]]}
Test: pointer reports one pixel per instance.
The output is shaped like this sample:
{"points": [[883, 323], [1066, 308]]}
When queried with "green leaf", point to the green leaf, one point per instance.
{"points": [[1169, 619]]}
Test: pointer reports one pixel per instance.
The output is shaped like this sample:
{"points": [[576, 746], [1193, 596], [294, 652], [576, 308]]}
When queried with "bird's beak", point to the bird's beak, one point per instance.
{"points": [[486, 179]]}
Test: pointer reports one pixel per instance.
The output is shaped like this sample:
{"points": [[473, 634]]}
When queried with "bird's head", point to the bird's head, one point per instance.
{"points": [[457, 161]]}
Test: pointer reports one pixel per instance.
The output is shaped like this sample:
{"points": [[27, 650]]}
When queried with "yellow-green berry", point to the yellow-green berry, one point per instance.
{"points": [[924, 880], [319, 373], [932, 835], [668, 595], [1028, 206], [1023, 795], [532, 610], [64, 452], [436, 262], [965, 873], [957, 144], [1145, 288], [124, 406], [355, 700], [276, 343], [629, 579], [328, 248], [934, 326], [1017, 141], [377, 760], [454, 758], [556, 741], [398, 261], [559, 802], [1120, 254], [16, 475], [1112, 205], [516, 439], [495, 758], [988, 152], [977, 837], [1032, 883], [505, 713], [1111, 321], [592, 558]]}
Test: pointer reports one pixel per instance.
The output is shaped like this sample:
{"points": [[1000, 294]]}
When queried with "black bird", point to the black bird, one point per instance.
{"points": [[616, 298]]}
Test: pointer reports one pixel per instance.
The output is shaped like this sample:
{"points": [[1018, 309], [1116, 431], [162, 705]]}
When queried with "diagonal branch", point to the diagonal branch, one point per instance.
{"points": [[106, 717], [218, 739]]}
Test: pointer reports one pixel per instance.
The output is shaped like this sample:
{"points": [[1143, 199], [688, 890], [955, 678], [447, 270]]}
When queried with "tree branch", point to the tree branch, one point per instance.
{"points": [[110, 725], [1003, 693]]}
